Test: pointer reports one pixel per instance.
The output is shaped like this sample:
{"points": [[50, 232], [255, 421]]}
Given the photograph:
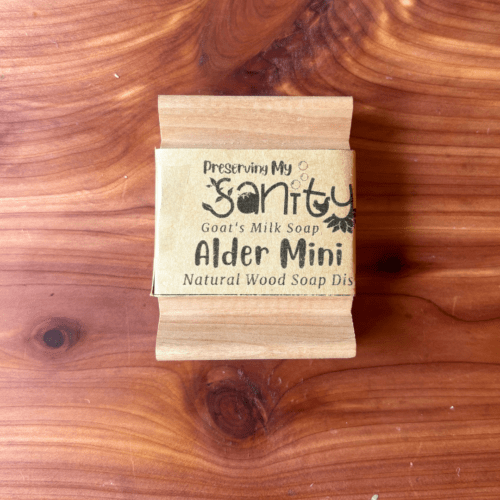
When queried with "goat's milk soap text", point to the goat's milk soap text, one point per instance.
{"points": [[254, 228], [254, 222]]}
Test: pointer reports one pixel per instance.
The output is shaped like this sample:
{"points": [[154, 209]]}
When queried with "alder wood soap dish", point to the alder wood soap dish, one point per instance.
{"points": [[254, 228]]}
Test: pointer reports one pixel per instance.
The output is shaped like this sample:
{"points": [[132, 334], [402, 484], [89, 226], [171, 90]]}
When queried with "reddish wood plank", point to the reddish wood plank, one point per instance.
{"points": [[415, 414]]}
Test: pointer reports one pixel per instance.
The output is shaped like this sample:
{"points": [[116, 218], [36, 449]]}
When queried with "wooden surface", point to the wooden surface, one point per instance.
{"points": [[230, 328], [242, 122], [221, 328], [415, 415]]}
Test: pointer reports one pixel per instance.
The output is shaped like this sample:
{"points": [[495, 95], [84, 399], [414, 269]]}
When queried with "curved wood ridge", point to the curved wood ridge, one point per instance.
{"points": [[86, 410]]}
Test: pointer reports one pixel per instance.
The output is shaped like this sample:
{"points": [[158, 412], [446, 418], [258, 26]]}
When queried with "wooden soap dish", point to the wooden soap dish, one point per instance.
{"points": [[213, 327]]}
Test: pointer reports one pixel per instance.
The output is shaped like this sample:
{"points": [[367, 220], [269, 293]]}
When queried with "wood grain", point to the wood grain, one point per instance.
{"points": [[229, 328], [225, 327], [89, 413], [239, 122]]}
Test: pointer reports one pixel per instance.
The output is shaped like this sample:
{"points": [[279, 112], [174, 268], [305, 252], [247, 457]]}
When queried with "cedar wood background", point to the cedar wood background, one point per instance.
{"points": [[87, 412]]}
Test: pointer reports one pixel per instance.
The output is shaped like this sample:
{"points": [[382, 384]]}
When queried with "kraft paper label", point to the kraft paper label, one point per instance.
{"points": [[254, 222]]}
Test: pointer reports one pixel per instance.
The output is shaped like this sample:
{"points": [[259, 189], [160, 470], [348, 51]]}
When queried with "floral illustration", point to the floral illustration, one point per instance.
{"points": [[345, 224]]}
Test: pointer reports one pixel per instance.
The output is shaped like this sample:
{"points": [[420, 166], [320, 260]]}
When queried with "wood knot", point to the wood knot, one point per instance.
{"points": [[391, 263], [234, 403], [53, 337]]}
